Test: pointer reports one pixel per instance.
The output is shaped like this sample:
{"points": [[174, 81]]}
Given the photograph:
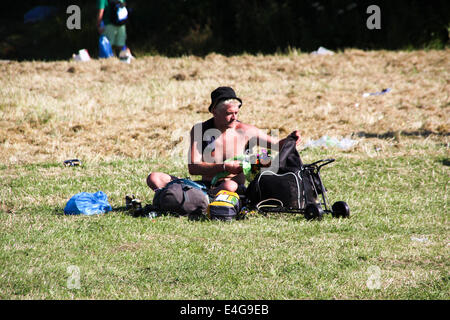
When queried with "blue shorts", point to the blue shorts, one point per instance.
{"points": [[240, 190]]}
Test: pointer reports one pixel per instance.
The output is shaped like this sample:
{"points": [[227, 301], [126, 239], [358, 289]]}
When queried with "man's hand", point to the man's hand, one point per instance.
{"points": [[233, 167], [296, 134]]}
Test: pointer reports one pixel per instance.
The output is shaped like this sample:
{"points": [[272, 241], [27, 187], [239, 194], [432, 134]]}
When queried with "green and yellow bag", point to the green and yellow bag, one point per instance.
{"points": [[225, 206]]}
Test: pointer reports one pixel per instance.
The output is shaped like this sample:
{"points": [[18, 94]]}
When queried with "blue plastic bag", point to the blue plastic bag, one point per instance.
{"points": [[104, 47], [88, 203]]}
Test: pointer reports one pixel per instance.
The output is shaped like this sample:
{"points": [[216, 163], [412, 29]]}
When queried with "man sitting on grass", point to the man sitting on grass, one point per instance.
{"points": [[217, 139]]}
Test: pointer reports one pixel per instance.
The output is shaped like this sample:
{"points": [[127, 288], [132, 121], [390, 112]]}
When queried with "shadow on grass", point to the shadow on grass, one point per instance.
{"points": [[150, 212], [120, 209], [60, 211]]}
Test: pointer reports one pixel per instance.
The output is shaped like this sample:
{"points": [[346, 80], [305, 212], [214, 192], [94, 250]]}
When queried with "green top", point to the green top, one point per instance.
{"points": [[104, 4]]}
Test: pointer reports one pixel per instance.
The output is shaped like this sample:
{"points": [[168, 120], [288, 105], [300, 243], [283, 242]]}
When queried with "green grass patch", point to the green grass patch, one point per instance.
{"points": [[398, 224]]}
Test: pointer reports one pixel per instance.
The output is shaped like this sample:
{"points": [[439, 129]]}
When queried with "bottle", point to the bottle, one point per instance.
{"points": [[152, 214]]}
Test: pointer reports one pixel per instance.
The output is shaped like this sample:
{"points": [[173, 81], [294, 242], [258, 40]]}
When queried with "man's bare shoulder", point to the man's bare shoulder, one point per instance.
{"points": [[246, 128]]}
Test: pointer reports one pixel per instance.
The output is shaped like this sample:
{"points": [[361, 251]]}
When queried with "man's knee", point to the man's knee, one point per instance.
{"points": [[229, 185], [151, 179], [156, 180]]}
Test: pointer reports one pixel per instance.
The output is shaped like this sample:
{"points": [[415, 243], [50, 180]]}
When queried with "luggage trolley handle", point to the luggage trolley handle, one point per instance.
{"points": [[316, 169], [314, 164]]}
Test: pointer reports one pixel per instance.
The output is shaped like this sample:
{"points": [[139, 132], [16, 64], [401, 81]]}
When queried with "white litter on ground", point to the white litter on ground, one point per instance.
{"points": [[82, 55], [329, 142], [322, 52]]}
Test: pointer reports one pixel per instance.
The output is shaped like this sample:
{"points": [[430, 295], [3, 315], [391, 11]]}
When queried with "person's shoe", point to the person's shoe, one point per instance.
{"points": [[126, 56]]}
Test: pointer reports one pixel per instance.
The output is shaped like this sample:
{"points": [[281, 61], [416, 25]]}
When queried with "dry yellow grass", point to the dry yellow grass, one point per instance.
{"points": [[105, 109]]}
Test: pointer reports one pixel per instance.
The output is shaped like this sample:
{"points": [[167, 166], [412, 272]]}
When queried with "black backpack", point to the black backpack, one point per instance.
{"points": [[119, 12], [182, 197], [292, 187]]}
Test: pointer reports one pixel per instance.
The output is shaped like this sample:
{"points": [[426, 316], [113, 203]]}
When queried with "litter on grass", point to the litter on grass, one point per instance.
{"points": [[72, 163], [331, 142], [82, 55], [422, 239], [322, 52], [88, 204], [379, 93]]}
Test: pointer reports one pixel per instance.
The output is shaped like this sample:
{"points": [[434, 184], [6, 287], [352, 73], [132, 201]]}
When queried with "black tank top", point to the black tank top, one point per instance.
{"points": [[208, 124]]}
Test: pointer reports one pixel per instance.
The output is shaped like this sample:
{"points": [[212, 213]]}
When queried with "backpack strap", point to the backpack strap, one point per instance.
{"points": [[189, 183], [261, 205]]}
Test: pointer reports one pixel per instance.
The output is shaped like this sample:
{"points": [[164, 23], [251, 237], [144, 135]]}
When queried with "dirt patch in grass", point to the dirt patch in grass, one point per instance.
{"points": [[105, 109]]}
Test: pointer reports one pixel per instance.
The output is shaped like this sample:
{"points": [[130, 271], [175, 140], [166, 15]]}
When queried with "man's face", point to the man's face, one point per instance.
{"points": [[227, 115]]}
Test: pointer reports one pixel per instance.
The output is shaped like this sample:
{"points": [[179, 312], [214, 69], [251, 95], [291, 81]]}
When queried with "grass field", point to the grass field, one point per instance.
{"points": [[124, 121]]}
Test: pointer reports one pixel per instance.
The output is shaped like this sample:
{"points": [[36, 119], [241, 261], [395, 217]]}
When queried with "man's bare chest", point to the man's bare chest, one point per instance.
{"points": [[228, 145]]}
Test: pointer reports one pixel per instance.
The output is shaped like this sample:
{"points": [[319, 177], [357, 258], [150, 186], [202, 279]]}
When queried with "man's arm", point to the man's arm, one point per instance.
{"points": [[101, 10], [99, 20], [270, 142]]}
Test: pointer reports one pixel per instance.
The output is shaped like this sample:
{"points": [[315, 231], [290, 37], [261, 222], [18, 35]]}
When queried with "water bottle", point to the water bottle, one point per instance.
{"points": [[153, 214]]}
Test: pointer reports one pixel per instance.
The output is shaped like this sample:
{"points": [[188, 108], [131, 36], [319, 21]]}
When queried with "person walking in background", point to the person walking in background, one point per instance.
{"points": [[111, 18]]}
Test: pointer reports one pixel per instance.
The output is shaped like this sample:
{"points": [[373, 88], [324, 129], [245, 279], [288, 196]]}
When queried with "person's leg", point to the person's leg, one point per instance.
{"points": [[121, 36], [229, 185], [157, 180], [117, 36], [121, 40], [110, 32]]}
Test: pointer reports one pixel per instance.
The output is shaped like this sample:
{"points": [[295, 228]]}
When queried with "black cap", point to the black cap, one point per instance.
{"points": [[220, 94]]}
